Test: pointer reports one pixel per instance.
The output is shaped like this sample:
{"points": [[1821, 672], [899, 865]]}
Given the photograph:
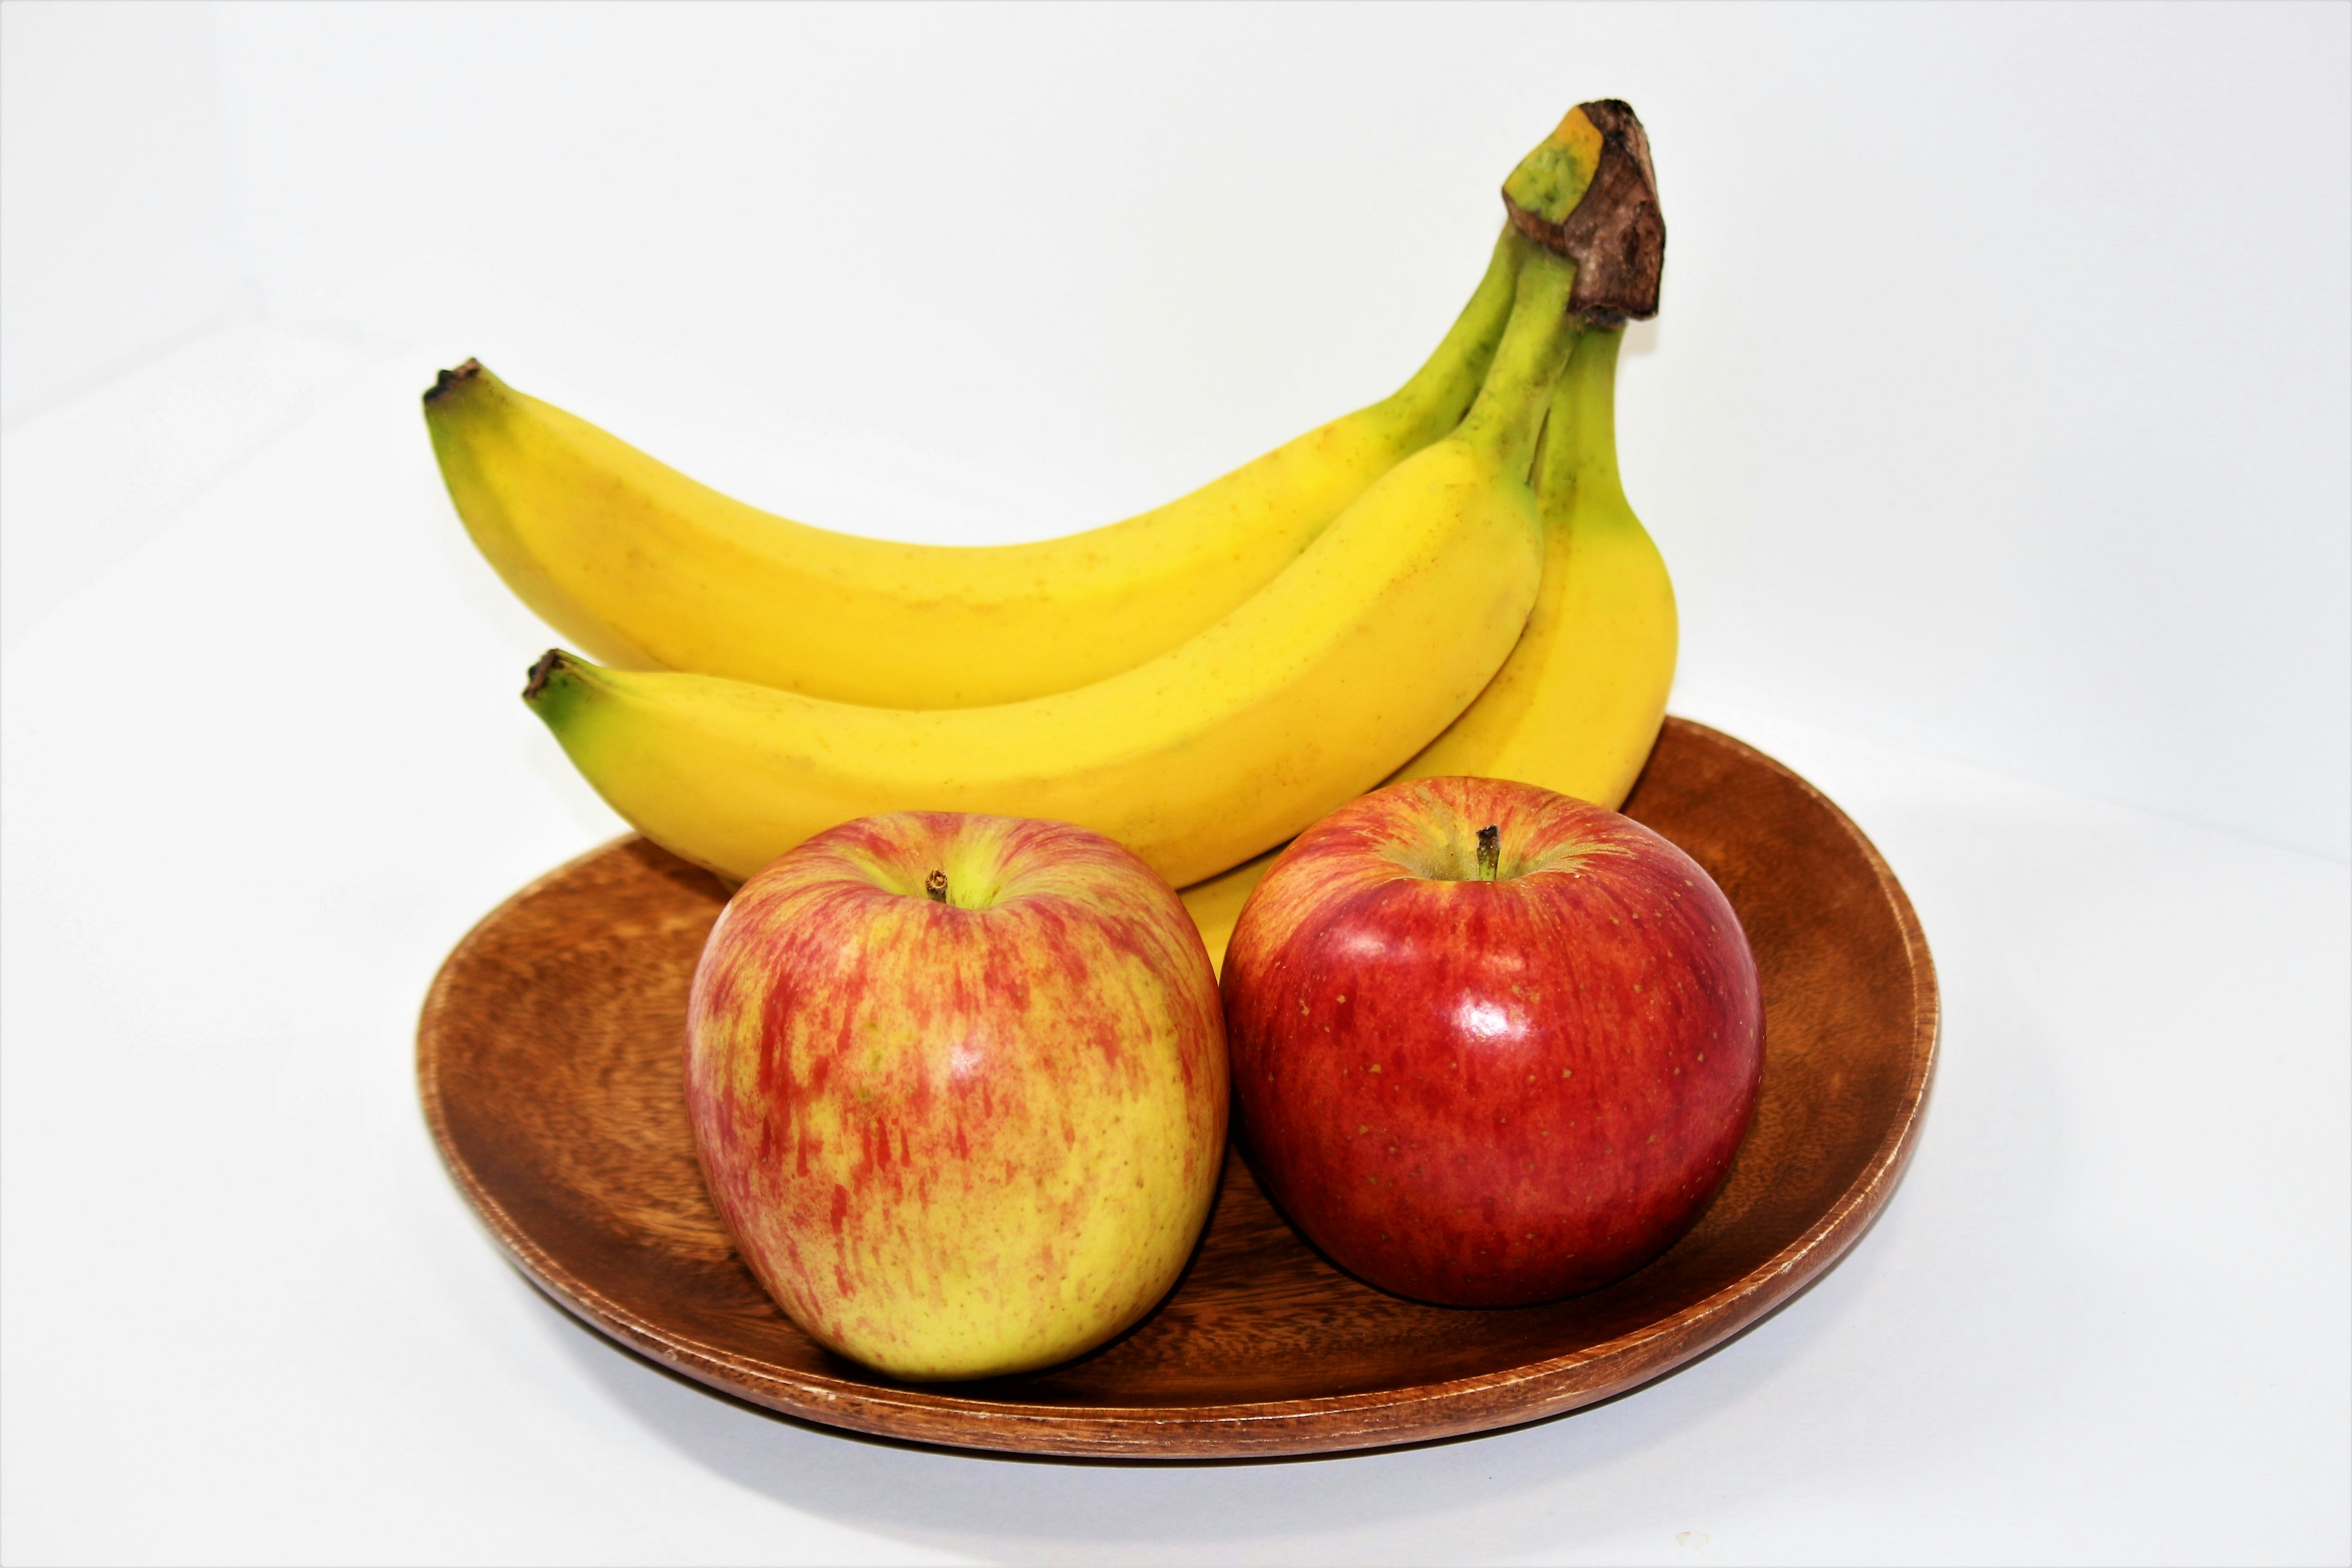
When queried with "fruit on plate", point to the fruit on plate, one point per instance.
{"points": [[958, 1089], [1352, 660], [1491, 1045], [1576, 706], [644, 569]]}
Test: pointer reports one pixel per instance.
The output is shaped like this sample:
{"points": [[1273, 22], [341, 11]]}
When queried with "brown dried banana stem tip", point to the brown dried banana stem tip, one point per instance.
{"points": [[1589, 193]]}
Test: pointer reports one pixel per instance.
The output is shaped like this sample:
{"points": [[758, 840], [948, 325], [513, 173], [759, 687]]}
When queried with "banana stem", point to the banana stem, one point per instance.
{"points": [[1579, 444], [1509, 412], [1429, 405]]}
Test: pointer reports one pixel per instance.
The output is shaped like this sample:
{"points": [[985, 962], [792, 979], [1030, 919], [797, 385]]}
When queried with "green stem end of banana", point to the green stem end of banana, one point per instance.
{"points": [[1509, 412], [556, 682]]}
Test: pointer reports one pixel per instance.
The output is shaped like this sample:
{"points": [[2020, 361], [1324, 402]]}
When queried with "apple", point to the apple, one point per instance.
{"points": [[958, 1088], [1491, 1045]]}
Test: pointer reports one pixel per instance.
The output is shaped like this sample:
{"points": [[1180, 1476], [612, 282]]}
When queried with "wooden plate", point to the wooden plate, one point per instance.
{"points": [[548, 1059]]}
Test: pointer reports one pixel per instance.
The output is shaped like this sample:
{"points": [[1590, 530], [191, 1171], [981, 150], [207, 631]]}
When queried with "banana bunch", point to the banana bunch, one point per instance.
{"points": [[1448, 581], [644, 569]]}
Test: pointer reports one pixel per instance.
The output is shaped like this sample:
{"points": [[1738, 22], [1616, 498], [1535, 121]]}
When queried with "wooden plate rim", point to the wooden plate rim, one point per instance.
{"points": [[1417, 1413]]}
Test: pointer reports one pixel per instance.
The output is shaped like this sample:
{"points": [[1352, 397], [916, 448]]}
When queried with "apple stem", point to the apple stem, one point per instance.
{"points": [[936, 885], [1490, 852]]}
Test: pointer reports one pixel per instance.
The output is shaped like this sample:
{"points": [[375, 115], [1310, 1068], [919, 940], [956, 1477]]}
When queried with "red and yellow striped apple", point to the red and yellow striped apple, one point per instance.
{"points": [[1491, 1045], [959, 1087]]}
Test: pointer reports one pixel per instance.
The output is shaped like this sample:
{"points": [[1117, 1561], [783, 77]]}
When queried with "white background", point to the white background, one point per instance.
{"points": [[1995, 428]]}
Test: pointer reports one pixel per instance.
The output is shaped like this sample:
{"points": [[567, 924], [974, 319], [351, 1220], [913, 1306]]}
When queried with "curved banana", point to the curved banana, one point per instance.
{"points": [[1354, 657], [1578, 705], [645, 569]]}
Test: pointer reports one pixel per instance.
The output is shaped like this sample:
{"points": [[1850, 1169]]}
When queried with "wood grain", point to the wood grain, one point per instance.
{"points": [[548, 1062]]}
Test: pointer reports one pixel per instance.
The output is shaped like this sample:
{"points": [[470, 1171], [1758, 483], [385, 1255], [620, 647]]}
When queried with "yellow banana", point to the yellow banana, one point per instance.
{"points": [[1578, 705], [1353, 658], [645, 569]]}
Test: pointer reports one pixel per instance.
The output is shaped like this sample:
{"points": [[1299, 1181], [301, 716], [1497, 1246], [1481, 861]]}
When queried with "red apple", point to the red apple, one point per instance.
{"points": [[1490, 1086], [959, 1087]]}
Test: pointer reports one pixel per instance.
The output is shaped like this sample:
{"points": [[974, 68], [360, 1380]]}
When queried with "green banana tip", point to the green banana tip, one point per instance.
{"points": [[449, 380], [1589, 193], [554, 662]]}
